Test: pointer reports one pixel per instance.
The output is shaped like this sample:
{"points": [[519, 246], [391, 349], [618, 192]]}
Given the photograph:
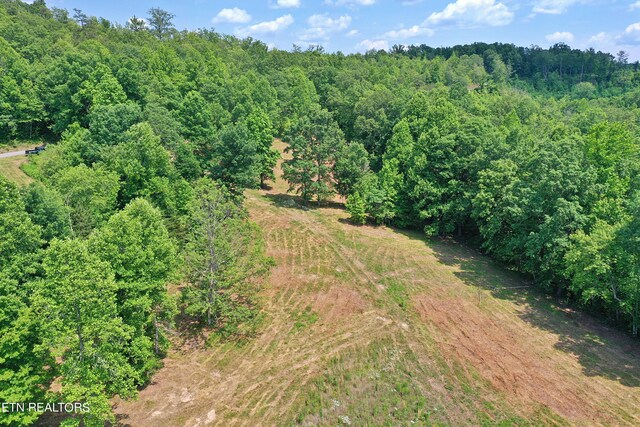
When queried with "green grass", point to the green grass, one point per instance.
{"points": [[31, 169], [304, 318], [11, 169], [378, 386], [398, 293]]}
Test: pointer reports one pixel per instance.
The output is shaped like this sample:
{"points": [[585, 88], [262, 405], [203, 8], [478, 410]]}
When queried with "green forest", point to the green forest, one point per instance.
{"points": [[135, 219]]}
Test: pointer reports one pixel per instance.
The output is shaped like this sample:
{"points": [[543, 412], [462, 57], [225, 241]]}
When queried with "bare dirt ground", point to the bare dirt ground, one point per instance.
{"points": [[370, 325]]}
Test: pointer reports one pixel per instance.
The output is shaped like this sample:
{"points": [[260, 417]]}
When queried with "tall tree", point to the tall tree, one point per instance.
{"points": [[91, 194], [236, 161], [314, 140], [77, 302], [261, 130], [80, 17], [136, 243], [223, 252], [136, 24], [25, 363], [197, 120], [160, 22], [351, 163], [141, 162], [47, 209]]}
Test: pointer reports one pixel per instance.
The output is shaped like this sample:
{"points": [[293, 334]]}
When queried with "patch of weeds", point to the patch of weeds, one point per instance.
{"points": [[398, 293], [30, 169], [366, 386], [304, 318]]}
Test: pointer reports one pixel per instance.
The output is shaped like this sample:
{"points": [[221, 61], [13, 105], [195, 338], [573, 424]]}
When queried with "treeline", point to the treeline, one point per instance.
{"points": [[554, 70], [156, 133]]}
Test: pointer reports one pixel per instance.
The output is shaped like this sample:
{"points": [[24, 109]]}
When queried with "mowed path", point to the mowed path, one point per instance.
{"points": [[10, 169], [434, 315]]}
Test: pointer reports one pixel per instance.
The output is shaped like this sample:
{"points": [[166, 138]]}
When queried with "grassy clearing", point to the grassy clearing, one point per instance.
{"points": [[373, 326], [10, 168], [382, 385], [373, 384]]}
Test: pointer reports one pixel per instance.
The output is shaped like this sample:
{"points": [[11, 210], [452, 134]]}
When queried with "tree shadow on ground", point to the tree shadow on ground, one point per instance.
{"points": [[295, 202], [189, 334], [348, 221], [601, 350], [122, 420], [51, 419]]}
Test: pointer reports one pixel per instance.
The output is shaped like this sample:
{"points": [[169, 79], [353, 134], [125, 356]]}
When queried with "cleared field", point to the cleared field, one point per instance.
{"points": [[10, 169], [373, 326]]}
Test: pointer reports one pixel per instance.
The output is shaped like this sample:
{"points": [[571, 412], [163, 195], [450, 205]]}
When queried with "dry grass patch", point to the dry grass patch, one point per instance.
{"points": [[373, 326], [10, 169]]}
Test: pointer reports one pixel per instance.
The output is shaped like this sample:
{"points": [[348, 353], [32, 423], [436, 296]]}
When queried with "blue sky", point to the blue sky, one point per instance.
{"points": [[358, 25]]}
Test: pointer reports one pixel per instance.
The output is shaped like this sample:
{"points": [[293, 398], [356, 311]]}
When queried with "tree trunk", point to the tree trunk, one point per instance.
{"points": [[635, 317], [79, 332], [581, 72], [213, 265], [209, 303], [155, 337]]}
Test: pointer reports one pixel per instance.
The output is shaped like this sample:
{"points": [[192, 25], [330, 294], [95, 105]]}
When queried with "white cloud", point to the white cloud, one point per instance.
{"points": [[613, 42], [553, 7], [635, 5], [267, 27], [560, 36], [321, 26], [600, 38], [472, 13], [353, 33], [374, 44], [323, 21], [281, 4], [631, 34], [235, 15], [350, 2], [407, 33]]}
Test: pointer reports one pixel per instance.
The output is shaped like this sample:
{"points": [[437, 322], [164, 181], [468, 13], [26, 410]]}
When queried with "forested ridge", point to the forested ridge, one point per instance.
{"points": [[153, 134], [554, 71]]}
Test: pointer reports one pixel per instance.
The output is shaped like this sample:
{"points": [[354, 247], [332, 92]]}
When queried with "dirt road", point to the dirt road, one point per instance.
{"points": [[11, 154]]}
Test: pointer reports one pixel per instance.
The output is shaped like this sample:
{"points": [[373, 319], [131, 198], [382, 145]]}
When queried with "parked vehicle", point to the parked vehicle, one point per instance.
{"points": [[36, 150]]}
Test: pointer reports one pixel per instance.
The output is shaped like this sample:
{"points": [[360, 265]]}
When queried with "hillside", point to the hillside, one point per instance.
{"points": [[373, 326], [452, 237]]}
